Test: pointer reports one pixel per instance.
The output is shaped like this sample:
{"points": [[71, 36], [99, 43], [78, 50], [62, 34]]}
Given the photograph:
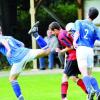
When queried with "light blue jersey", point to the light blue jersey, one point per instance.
{"points": [[18, 51], [89, 33]]}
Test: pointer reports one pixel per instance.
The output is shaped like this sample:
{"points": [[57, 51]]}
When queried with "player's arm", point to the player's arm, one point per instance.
{"points": [[6, 45], [97, 35], [76, 34], [64, 50]]}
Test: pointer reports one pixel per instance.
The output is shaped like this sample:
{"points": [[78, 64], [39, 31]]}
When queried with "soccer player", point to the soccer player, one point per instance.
{"points": [[71, 68], [85, 36], [18, 56]]}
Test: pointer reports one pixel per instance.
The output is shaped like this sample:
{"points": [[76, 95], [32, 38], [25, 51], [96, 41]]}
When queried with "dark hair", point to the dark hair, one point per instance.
{"points": [[93, 13], [54, 25]]}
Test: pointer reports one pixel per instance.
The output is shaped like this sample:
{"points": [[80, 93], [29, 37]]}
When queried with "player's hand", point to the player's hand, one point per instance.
{"points": [[57, 50], [75, 45]]}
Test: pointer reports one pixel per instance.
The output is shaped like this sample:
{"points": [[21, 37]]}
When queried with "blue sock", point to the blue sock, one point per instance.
{"points": [[95, 84], [17, 89], [41, 42], [87, 83]]}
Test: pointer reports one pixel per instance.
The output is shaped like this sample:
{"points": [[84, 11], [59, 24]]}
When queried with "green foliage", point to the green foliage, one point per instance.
{"points": [[66, 12]]}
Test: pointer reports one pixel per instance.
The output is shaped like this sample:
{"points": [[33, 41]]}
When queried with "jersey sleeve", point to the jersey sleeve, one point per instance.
{"points": [[77, 25], [97, 30]]}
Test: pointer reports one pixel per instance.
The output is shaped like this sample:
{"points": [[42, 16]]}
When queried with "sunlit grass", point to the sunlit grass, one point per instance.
{"points": [[41, 87]]}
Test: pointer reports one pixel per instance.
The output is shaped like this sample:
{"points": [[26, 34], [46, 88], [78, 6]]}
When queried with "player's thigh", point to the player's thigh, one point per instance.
{"points": [[90, 60], [33, 53], [81, 54], [16, 69]]}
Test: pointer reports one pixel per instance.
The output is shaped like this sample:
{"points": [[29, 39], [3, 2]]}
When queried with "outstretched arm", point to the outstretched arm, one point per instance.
{"points": [[6, 45], [76, 36], [77, 33]]}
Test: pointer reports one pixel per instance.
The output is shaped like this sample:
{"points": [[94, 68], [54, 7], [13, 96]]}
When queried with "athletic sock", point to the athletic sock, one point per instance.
{"points": [[17, 89], [81, 84], [40, 41], [87, 83], [64, 88], [95, 84]]}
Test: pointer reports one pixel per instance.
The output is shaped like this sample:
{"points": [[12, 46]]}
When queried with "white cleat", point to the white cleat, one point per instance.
{"points": [[65, 99]]}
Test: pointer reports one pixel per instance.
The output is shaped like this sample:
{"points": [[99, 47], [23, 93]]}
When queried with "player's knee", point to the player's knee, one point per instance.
{"points": [[64, 78], [12, 78], [75, 79]]}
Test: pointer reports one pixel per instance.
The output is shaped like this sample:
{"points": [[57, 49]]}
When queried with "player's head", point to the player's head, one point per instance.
{"points": [[55, 28], [70, 28], [93, 13]]}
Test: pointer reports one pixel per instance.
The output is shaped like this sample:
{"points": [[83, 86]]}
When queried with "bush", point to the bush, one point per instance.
{"points": [[65, 12]]}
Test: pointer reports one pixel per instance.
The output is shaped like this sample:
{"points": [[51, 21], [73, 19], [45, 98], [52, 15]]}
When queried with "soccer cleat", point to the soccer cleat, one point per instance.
{"points": [[64, 99], [20, 97], [91, 95], [34, 29], [98, 96]]}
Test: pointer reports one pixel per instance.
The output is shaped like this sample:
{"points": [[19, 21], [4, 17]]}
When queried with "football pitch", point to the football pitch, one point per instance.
{"points": [[42, 87]]}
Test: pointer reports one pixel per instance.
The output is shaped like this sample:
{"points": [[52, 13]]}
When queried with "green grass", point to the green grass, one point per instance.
{"points": [[41, 87]]}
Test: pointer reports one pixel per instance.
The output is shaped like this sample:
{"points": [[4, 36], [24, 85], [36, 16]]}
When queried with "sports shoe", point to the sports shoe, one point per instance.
{"points": [[64, 99], [98, 96], [20, 97], [91, 95], [34, 29]]}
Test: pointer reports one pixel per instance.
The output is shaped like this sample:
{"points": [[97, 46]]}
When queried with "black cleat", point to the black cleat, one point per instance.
{"points": [[34, 29], [98, 97], [91, 95]]}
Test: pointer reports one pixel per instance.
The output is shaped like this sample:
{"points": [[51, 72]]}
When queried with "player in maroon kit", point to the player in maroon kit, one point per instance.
{"points": [[70, 68]]}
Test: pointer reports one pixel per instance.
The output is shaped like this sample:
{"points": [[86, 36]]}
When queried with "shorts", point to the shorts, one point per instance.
{"points": [[18, 67], [85, 56], [71, 68]]}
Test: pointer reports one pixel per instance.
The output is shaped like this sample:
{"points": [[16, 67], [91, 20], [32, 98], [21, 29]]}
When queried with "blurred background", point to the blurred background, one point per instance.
{"points": [[16, 18]]}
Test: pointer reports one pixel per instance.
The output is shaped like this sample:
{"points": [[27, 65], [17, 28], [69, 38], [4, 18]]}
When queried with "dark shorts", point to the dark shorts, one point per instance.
{"points": [[71, 68]]}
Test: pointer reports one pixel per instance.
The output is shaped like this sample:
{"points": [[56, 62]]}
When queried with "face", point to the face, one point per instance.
{"points": [[55, 31]]}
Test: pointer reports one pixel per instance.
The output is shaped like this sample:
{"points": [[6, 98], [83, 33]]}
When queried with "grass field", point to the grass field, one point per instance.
{"points": [[41, 87]]}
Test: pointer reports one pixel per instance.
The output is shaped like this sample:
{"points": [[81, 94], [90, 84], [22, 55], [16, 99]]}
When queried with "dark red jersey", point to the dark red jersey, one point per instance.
{"points": [[66, 40]]}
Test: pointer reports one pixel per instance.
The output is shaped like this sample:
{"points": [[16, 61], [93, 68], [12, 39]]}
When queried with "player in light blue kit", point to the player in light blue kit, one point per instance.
{"points": [[84, 38], [18, 56]]}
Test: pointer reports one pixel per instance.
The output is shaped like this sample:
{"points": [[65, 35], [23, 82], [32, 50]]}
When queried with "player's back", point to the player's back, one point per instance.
{"points": [[17, 50], [87, 31]]}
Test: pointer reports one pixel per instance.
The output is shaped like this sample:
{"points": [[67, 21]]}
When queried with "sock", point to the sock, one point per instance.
{"points": [[87, 83], [95, 84], [41, 42], [16, 89], [81, 84], [64, 88]]}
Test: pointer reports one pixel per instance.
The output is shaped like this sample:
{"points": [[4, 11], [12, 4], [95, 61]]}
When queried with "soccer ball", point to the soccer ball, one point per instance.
{"points": [[70, 27]]}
